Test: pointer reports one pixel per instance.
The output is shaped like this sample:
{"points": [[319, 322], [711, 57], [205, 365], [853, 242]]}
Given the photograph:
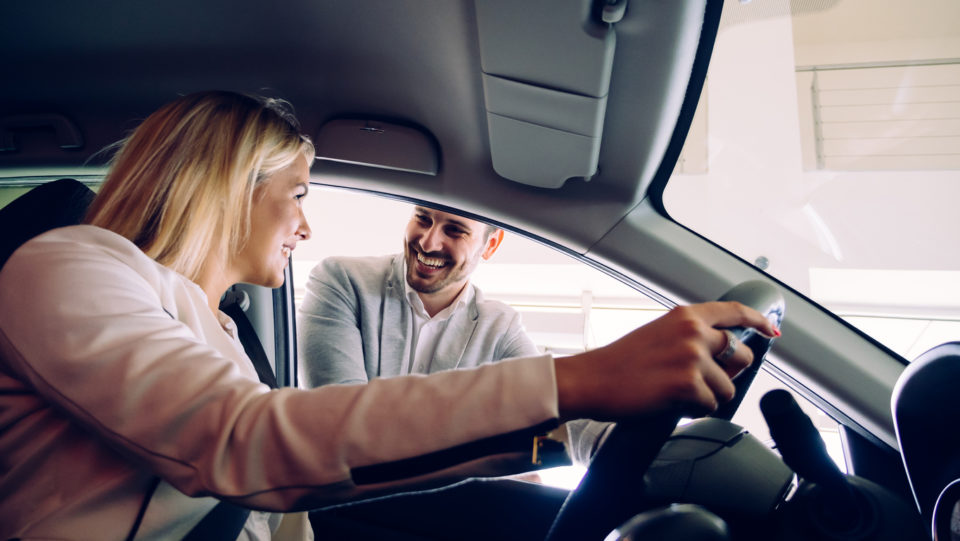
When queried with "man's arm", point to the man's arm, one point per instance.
{"points": [[584, 436], [329, 341], [516, 342]]}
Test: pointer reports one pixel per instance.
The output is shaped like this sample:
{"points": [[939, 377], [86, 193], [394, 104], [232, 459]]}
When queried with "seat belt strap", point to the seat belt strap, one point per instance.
{"points": [[224, 522], [251, 344]]}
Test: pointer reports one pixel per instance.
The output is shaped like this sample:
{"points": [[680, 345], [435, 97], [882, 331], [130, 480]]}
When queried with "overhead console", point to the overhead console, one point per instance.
{"points": [[546, 72]]}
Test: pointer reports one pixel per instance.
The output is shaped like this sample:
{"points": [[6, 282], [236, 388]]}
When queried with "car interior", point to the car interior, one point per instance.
{"points": [[573, 125]]}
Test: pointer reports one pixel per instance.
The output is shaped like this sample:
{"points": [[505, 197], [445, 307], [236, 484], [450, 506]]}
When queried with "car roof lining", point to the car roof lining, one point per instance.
{"points": [[105, 69]]}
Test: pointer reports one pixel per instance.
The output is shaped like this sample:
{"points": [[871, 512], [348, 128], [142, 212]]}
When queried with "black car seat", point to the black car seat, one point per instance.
{"points": [[926, 414], [48, 206]]}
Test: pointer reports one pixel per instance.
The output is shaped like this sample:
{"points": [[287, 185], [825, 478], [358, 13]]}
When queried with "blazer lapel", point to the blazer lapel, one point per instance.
{"points": [[394, 322]]}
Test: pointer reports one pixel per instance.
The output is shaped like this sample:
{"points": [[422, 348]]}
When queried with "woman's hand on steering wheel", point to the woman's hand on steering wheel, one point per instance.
{"points": [[667, 365]]}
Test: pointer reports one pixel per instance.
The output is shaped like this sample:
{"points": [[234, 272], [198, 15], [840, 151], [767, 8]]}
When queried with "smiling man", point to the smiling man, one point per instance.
{"points": [[410, 313]]}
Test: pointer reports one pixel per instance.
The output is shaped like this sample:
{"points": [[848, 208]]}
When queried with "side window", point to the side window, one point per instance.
{"points": [[566, 306]]}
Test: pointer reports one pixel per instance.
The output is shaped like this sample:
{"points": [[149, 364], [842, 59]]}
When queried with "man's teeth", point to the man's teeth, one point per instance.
{"points": [[285, 251], [435, 262]]}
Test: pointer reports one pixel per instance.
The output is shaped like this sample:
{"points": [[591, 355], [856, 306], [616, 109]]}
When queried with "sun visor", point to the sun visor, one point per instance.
{"points": [[546, 72], [378, 144]]}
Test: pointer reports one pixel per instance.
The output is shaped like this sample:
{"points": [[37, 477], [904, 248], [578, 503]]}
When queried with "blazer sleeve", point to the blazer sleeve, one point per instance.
{"points": [[329, 339], [516, 342], [88, 336]]}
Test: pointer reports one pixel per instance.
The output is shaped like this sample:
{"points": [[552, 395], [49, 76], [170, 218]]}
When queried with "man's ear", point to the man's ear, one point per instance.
{"points": [[493, 242]]}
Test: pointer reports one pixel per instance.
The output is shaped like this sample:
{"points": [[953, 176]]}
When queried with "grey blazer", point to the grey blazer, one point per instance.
{"points": [[355, 324]]}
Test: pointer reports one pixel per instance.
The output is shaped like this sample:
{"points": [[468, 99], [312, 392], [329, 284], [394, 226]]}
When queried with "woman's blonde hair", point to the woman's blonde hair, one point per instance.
{"points": [[181, 185]]}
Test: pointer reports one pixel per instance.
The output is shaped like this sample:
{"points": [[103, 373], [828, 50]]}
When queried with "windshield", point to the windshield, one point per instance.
{"points": [[826, 151]]}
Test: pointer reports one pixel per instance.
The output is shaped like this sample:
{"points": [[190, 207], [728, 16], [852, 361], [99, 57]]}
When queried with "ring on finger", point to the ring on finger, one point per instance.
{"points": [[729, 349]]}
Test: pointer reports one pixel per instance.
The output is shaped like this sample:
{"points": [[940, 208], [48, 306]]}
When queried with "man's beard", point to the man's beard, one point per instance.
{"points": [[443, 277]]}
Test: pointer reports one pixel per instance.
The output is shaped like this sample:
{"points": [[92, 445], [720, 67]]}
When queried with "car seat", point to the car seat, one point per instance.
{"points": [[48, 206], [926, 412]]}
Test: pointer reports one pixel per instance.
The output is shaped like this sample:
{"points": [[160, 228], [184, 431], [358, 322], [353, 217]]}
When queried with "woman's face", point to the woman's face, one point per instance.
{"points": [[277, 223]]}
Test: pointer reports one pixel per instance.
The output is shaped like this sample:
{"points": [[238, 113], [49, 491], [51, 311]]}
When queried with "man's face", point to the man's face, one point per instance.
{"points": [[443, 249]]}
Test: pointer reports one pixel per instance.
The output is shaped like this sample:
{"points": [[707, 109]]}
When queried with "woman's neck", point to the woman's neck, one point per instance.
{"points": [[213, 280]]}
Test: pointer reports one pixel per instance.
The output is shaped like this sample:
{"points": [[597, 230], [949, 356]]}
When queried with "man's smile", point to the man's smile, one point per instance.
{"points": [[432, 262]]}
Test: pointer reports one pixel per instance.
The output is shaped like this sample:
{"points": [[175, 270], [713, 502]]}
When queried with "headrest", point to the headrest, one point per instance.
{"points": [[48, 206]]}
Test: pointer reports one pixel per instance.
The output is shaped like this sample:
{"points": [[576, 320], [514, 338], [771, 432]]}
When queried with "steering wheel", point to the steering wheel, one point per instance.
{"points": [[613, 488]]}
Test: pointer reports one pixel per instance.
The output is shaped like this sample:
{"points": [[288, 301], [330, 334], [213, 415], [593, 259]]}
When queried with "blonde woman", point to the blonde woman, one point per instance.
{"points": [[129, 409]]}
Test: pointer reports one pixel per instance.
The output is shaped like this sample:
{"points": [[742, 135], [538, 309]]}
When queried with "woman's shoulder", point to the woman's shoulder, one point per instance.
{"points": [[68, 253], [86, 233], [77, 241]]}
